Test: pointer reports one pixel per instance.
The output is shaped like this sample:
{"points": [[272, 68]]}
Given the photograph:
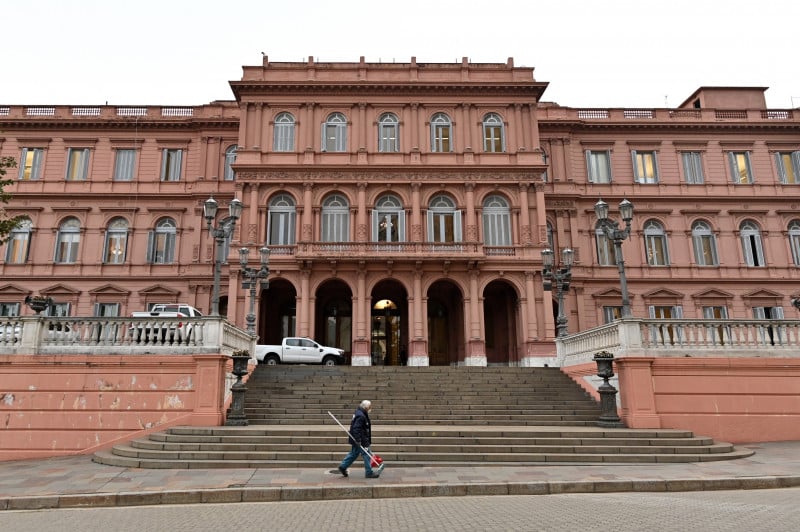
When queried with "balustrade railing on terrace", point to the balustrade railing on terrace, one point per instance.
{"points": [[95, 335], [681, 338], [347, 249]]}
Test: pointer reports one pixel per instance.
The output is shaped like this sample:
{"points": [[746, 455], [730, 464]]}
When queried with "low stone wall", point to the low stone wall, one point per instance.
{"points": [[76, 404], [738, 400]]}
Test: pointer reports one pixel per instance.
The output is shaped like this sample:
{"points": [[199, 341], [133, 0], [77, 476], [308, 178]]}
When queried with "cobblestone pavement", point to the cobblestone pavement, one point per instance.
{"points": [[78, 482], [773, 510]]}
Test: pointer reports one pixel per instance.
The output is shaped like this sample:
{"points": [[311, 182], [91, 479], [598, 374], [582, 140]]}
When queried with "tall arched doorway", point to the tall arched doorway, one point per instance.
{"points": [[500, 304], [445, 324], [389, 324], [277, 316], [334, 319]]}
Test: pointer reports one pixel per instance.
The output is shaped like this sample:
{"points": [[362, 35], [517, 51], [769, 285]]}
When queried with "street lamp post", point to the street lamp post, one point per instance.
{"points": [[220, 233], [249, 278], [617, 235], [562, 275]]}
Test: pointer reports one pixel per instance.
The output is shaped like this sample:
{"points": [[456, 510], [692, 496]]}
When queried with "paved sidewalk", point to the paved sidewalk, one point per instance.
{"points": [[78, 482]]}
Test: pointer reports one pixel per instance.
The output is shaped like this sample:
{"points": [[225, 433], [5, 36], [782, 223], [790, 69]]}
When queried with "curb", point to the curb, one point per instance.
{"points": [[279, 494]]}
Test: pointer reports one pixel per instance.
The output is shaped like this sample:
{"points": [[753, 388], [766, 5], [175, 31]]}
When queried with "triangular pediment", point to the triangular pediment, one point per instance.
{"points": [[60, 289], [13, 290], [109, 289], [762, 293], [159, 290], [712, 293], [663, 293], [611, 292]]}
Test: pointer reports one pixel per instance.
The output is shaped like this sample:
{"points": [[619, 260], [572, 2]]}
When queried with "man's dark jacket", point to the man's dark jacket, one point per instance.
{"points": [[361, 428]]}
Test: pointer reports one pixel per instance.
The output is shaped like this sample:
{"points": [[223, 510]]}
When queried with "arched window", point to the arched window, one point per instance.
{"points": [[335, 219], [604, 247], [161, 242], [441, 133], [334, 133], [68, 241], [551, 236], [752, 251], [230, 158], [283, 138], [794, 241], [19, 243], [116, 244], [705, 245], [655, 244], [388, 133], [389, 220], [281, 222], [496, 221], [444, 221], [493, 133]]}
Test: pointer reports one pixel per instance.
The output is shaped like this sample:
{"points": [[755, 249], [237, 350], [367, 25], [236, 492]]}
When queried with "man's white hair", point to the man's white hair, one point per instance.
{"points": [[365, 404]]}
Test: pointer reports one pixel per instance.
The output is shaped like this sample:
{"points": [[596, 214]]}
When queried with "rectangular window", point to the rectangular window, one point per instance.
{"points": [[492, 138], [788, 164], [771, 334], [9, 309], [335, 137], [718, 335], [17, 247], [31, 161], [124, 165], [284, 137], [645, 166], [388, 138], [171, 164], [666, 333], [77, 164], [58, 310], [605, 249], [441, 138], [693, 167], [741, 171], [598, 164], [611, 314]]}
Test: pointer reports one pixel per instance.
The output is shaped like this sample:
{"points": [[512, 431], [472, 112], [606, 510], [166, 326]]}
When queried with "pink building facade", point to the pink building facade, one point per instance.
{"points": [[406, 207]]}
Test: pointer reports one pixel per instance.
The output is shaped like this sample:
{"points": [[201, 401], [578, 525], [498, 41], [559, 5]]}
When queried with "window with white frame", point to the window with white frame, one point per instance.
{"points": [[645, 166], [77, 164], [19, 243], [693, 167], [230, 158], [741, 171], [161, 242], [666, 333], [334, 133], [388, 133], [611, 313], [752, 250], [9, 310], [441, 133], [124, 165], [496, 221], [788, 165], [58, 310], [31, 164], [281, 222], [655, 244], [171, 161], [598, 165], [705, 244], [68, 241], [106, 310], [715, 312], [283, 138], [389, 220], [444, 221], [335, 219], [604, 248], [493, 133], [771, 334], [116, 242], [794, 241]]}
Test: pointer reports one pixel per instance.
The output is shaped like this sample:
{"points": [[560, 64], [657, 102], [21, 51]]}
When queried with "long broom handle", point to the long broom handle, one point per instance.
{"points": [[351, 436]]}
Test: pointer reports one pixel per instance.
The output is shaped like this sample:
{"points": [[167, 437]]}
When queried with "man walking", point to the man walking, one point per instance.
{"points": [[360, 440]]}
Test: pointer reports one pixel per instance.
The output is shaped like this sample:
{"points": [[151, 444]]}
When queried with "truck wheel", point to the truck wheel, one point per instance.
{"points": [[329, 361], [271, 360]]}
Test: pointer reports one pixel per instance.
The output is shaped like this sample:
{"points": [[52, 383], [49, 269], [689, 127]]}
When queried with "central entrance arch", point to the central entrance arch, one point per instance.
{"points": [[334, 319], [389, 324], [445, 324]]}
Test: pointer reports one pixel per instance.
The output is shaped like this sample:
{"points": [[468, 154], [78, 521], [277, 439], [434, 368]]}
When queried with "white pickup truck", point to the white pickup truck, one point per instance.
{"points": [[299, 351], [149, 330]]}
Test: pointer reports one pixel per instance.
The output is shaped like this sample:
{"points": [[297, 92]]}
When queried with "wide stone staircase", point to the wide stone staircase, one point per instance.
{"points": [[431, 416]]}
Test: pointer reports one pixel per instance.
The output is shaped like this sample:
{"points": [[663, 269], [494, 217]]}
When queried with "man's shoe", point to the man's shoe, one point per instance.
{"points": [[373, 474], [343, 471]]}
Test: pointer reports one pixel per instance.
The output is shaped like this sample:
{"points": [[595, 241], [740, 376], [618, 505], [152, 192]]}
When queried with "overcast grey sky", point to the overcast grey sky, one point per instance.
{"points": [[604, 53]]}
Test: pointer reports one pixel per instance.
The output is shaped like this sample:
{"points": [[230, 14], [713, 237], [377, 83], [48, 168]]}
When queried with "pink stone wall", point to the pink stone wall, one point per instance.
{"points": [[736, 400], [61, 405]]}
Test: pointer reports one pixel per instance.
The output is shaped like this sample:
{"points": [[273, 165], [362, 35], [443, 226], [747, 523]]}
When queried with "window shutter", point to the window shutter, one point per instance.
{"points": [[637, 178], [22, 159], [401, 226], [374, 225], [164, 159], [150, 239], [175, 171], [651, 309], [341, 137], [777, 313], [169, 248], [430, 225], [457, 226]]}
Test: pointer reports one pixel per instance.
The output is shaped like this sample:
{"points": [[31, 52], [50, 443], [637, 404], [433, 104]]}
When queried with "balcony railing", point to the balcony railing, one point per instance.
{"points": [[681, 338], [46, 335], [382, 249]]}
